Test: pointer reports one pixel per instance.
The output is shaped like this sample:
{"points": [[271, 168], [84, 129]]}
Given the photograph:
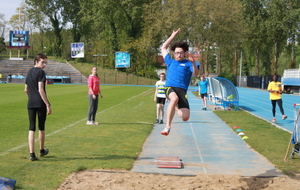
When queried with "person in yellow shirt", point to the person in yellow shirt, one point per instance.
{"points": [[275, 90]]}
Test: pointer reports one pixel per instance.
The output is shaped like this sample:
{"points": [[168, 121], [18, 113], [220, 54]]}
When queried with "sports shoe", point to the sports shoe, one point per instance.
{"points": [[161, 122], [157, 121], [284, 117], [166, 131], [44, 153], [274, 120], [95, 123], [205, 108], [89, 123], [33, 158]]}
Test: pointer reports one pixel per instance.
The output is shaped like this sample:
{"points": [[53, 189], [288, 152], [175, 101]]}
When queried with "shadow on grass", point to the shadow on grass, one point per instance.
{"points": [[246, 108], [261, 181], [90, 157]]}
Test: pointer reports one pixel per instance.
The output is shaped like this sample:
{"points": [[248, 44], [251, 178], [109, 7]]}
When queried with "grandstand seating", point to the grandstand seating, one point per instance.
{"points": [[53, 68]]}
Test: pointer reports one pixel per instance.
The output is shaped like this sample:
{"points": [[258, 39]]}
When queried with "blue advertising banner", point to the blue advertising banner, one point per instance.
{"points": [[77, 50], [122, 59]]}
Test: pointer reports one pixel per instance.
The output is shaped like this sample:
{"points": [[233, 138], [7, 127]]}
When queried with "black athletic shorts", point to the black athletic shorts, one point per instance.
{"points": [[160, 100], [203, 95], [181, 93]]}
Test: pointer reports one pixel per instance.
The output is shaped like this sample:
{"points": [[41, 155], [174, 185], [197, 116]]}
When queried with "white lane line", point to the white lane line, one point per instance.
{"points": [[50, 134], [261, 108], [138, 105], [264, 95], [198, 148], [145, 122]]}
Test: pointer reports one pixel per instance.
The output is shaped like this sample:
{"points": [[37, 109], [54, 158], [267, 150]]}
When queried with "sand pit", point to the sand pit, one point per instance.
{"points": [[104, 179]]}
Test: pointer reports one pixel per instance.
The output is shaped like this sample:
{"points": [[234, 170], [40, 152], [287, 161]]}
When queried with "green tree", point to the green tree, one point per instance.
{"points": [[2, 45], [40, 22], [19, 21], [3, 25], [116, 22], [73, 14], [293, 17], [52, 9], [214, 27], [254, 14], [276, 28]]}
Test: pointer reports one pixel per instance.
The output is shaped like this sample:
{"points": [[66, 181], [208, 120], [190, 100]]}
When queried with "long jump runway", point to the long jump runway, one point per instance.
{"points": [[205, 145]]}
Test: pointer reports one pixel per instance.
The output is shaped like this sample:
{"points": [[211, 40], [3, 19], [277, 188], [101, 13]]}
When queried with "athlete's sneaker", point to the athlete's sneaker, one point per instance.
{"points": [[157, 121], [44, 153], [274, 120], [205, 108], [284, 117], [89, 123], [161, 122], [33, 158], [166, 131], [95, 123]]}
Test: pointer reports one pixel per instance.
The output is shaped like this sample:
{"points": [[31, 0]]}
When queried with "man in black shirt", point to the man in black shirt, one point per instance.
{"points": [[38, 103]]}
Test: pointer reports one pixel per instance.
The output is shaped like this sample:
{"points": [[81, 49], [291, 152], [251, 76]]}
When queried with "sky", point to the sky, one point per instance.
{"points": [[9, 7]]}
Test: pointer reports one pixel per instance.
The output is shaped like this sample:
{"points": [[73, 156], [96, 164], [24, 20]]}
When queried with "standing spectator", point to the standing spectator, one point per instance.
{"points": [[93, 96], [275, 90], [9, 78], [179, 75], [38, 104], [160, 98], [202, 91]]}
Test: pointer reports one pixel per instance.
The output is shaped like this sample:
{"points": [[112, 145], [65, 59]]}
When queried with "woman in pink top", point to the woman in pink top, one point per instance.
{"points": [[93, 95]]}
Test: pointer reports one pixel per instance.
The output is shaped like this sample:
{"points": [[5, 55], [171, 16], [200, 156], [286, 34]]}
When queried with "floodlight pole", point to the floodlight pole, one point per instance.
{"points": [[19, 28], [240, 69]]}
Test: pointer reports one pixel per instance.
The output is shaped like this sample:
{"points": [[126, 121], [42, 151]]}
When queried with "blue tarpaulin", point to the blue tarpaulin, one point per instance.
{"points": [[7, 184]]}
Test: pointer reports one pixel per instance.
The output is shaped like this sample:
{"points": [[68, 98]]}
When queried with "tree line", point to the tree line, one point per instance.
{"points": [[259, 35]]}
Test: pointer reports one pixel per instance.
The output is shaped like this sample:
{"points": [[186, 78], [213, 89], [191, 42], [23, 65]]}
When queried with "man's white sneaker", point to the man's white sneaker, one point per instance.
{"points": [[166, 131], [89, 123]]}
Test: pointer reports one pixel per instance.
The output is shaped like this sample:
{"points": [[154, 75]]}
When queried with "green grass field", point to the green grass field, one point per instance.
{"points": [[125, 115]]}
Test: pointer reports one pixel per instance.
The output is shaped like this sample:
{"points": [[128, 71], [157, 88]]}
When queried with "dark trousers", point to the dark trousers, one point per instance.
{"points": [[93, 107], [279, 102]]}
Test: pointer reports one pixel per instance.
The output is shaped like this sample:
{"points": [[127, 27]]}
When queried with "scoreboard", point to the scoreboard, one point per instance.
{"points": [[18, 38]]}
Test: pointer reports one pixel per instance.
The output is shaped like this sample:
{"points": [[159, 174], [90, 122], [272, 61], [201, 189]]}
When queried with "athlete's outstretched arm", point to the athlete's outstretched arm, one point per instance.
{"points": [[164, 47]]}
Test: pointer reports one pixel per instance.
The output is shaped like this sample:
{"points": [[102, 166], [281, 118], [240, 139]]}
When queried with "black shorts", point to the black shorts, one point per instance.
{"points": [[41, 113], [203, 95], [181, 93], [160, 100]]}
